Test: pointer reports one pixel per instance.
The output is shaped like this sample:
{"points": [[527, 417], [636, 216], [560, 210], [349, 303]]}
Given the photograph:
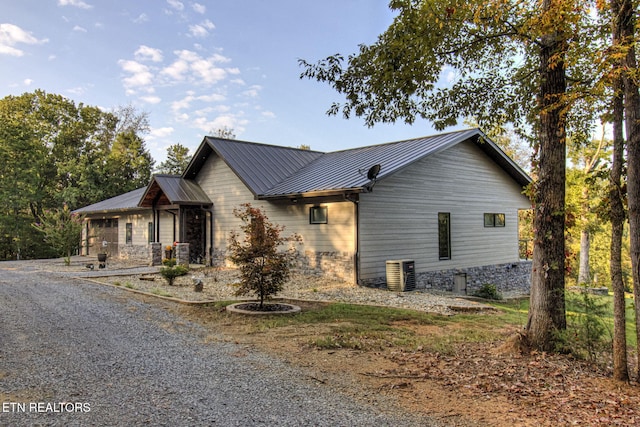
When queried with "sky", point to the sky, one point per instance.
{"points": [[198, 66]]}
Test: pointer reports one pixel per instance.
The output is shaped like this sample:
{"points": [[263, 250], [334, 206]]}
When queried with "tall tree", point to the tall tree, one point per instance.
{"points": [[501, 52], [128, 165], [617, 216], [55, 152], [178, 159], [624, 12]]}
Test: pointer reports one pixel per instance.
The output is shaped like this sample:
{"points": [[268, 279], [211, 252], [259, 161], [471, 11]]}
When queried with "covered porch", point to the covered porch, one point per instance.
{"points": [[182, 212]]}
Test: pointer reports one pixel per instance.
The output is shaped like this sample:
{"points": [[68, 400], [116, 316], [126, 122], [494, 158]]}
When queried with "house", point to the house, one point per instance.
{"points": [[449, 203]]}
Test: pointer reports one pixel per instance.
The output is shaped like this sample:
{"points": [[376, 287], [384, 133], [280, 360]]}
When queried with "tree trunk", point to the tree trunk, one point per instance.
{"points": [[547, 302], [584, 276], [617, 215], [632, 127], [620, 368]]}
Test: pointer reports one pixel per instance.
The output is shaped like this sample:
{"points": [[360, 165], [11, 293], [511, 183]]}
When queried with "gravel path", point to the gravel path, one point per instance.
{"points": [[74, 353]]}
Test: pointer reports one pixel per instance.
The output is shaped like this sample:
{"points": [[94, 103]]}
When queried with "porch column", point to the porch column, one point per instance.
{"points": [[182, 254]]}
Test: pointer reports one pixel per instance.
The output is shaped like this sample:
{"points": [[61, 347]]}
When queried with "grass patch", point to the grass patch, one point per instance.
{"points": [[360, 327], [367, 328]]}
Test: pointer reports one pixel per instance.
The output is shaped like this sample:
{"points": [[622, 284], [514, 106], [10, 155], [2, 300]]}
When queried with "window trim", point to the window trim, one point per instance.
{"points": [[128, 236], [323, 219], [447, 240], [493, 220]]}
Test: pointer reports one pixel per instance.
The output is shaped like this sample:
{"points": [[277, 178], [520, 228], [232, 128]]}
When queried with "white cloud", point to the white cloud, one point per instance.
{"points": [[269, 114], [141, 19], [75, 3], [161, 132], [79, 29], [183, 103], [78, 90], [196, 69], [27, 82], [253, 91], [151, 99], [146, 53], [214, 97], [11, 51], [175, 4], [140, 75], [199, 8], [176, 70], [10, 35], [202, 29]]}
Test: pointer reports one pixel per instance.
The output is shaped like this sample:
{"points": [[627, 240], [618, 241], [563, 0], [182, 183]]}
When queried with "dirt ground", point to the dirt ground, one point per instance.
{"points": [[489, 384]]}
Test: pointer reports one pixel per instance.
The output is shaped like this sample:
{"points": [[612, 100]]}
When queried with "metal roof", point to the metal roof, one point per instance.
{"points": [[174, 190], [271, 171], [261, 166], [126, 201], [347, 170]]}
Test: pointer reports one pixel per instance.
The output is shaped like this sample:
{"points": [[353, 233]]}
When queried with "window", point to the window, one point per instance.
{"points": [[129, 233], [494, 220], [150, 233], [444, 235], [318, 215]]}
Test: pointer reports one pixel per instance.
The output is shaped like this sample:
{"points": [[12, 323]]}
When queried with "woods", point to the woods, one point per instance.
{"points": [[55, 153]]}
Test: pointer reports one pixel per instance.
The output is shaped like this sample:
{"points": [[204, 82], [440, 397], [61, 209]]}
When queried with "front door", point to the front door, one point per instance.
{"points": [[194, 233]]}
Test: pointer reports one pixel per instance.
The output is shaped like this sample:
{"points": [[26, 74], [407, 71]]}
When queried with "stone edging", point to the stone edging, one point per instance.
{"points": [[233, 308]]}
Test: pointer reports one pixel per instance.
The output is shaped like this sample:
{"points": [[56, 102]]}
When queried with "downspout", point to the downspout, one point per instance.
{"points": [[356, 261], [211, 253]]}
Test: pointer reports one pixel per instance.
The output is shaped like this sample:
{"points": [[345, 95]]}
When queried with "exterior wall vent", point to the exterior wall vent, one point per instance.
{"points": [[401, 275]]}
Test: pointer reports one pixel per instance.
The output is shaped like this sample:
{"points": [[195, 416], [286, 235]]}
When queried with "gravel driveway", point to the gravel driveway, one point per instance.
{"points": [[73, 353]]}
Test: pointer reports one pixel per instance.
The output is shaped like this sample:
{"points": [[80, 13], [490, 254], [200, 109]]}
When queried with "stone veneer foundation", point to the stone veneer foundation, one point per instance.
{"points": [[511, 277]]}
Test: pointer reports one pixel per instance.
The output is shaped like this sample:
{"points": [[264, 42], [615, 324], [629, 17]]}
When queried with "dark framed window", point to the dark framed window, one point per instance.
{"points": [[318, 215], [494, 220], [150, 233], [129, 233], [444, 235]]}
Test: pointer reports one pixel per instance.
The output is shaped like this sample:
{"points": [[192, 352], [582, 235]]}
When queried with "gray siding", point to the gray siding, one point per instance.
{"points": [[227, 192], [399, 219]]}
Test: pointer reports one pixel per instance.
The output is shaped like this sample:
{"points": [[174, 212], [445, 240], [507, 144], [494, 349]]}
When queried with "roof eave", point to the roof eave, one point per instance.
{"points": [[312, 194], [111, 211]]}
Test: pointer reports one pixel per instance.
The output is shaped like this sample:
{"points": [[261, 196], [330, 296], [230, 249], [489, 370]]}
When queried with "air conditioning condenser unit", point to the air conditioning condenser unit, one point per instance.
{"points": [[401, 275]]}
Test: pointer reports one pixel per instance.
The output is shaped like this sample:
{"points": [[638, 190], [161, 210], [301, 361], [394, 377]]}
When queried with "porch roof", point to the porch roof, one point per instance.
{"points": [[124, 202], [173, 190]]}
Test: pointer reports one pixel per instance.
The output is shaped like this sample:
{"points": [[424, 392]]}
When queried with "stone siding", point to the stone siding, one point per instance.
{"points": [[514, 278], [332, 265], [135, 252]]}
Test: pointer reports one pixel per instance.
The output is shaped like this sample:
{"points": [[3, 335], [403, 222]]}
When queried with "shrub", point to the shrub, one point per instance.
{"points": [[488, 291], [62, 229], [587, 336], [263, 268], [170, 273], [169, 262]]}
